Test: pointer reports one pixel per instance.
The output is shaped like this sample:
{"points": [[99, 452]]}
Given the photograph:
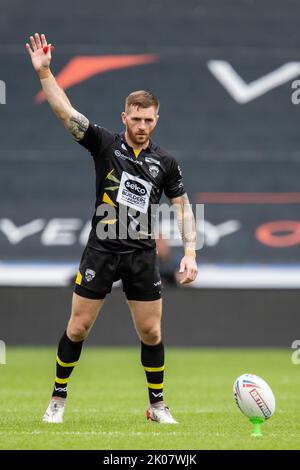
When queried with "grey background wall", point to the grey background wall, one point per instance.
{"points": [[192, 318]]}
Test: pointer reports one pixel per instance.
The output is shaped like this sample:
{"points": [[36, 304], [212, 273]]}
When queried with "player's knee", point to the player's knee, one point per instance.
{"points": [[151, 335], [78, 331]]}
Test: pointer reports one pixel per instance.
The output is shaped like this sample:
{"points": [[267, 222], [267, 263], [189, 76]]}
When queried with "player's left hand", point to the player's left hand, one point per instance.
{"points": [[188, 270]]}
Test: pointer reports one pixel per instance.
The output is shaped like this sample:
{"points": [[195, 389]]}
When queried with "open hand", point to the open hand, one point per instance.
{"points": [[39, 59]]}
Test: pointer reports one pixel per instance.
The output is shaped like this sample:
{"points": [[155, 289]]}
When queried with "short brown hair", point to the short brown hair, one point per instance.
{"points": [[141, 99]]}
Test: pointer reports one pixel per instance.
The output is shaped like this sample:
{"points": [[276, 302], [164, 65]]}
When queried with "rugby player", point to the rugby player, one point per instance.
{"points": [[131, 174]]}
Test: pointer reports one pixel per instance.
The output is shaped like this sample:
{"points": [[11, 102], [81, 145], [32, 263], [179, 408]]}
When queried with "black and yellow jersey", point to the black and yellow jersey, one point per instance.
{"points": [[129, 186]]}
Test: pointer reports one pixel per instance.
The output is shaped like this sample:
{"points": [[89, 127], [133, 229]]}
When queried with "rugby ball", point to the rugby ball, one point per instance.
{"points": [[253, 396]]}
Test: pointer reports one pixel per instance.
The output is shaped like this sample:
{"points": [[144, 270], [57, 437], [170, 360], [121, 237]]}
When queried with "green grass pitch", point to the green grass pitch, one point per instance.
{"points": [[107, 400]]}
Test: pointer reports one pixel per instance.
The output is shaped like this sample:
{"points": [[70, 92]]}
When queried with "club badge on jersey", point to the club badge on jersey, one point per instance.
{"points": [[154, 170]]}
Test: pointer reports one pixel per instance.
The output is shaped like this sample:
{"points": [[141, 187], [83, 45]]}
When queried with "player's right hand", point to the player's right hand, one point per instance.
{"points": [[39, 59]]}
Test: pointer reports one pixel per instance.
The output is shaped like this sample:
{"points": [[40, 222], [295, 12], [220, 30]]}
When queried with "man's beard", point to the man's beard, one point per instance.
{"points": [[138, 139]]}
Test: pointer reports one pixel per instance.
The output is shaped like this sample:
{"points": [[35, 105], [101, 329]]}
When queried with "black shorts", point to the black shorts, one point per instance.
{"points": [[138, 271]]}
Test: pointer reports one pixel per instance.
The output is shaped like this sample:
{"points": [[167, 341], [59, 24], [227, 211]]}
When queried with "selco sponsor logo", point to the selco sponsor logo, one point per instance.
{"points": [[135, 187]]}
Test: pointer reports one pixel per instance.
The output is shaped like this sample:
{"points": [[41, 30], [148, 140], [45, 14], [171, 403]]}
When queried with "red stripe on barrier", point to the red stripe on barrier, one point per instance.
{"points": [[248, 198]]}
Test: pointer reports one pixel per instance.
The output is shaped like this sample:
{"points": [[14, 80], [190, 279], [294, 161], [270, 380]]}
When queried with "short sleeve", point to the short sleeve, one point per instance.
{"points": [[173, 186], [96, 138]]}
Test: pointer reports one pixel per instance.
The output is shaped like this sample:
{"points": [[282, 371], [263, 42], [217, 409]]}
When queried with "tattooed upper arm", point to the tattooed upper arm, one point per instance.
{"points": [[77, 124]]}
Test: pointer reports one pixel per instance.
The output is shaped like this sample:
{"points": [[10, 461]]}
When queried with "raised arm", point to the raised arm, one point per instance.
{"points": [[75, 122]]}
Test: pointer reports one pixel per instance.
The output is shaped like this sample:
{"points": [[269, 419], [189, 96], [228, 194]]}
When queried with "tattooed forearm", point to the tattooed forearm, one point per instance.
{"points": [[186, 221], [75, 122], [77, 125]]}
